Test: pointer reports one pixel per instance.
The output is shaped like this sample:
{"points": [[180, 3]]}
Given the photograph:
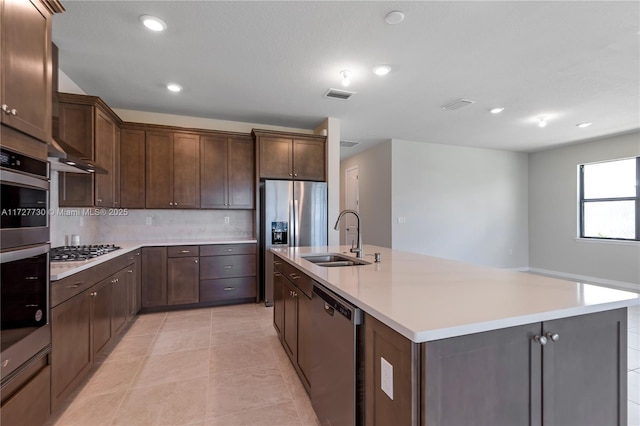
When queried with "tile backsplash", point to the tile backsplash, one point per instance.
{"points": [[96, 226]]}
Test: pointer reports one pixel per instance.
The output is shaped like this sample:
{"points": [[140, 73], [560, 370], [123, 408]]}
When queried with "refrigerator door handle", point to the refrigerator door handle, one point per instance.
{"points": [[296, 223], [292, 225]]}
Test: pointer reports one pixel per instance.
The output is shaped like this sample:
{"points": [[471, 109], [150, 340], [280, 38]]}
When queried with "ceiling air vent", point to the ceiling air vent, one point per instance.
{"points": [[338, 94], [348, 144], [457, 104]]}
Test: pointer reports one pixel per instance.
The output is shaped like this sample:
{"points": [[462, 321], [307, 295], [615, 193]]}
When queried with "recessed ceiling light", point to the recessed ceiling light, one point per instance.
{"points": [[346, 77], [583, 125], [382, 70], [394, 17], [496, 110], [542, 121], [174, 87], [153, 23]]}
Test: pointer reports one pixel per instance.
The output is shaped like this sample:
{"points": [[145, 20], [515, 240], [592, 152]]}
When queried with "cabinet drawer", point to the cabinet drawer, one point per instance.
{"points": [[240, 265], [303, 282], [229, 288], [227, 249], [31, 404], [66, 288], [182, 251]]}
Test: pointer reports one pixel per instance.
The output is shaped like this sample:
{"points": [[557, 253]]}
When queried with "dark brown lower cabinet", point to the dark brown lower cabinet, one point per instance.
{"points": [[101, 315], [83, 323], [154, 276], [183, 280], [71, 355], [506, 377], [119, 300], [292, 316], [30, 404], [278, 302], [290, 308]]}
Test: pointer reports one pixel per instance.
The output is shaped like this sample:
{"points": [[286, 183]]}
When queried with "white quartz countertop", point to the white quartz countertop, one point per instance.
{"points": [[428, 298], [60, 270]]}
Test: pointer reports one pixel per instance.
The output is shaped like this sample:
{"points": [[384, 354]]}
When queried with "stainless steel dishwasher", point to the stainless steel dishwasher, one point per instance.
{"points": [[334, 359]]}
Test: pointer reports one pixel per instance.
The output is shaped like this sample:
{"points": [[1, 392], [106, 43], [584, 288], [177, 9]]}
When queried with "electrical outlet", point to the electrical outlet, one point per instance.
{"points": [[386, 377], [226, 219], [402, 219], [148, 220]]}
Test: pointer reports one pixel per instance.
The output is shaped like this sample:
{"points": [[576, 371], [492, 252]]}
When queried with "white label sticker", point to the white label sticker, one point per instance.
{"points": [[386, 377]]}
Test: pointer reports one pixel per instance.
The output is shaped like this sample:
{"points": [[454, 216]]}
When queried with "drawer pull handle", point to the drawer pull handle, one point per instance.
{"points": [[130, 271], [294, 276], [229, 250], [31, 278], [185, 251], [130, 258], [229, 288], [277, 274], [73, 286], [277, 263], [228, 267]]}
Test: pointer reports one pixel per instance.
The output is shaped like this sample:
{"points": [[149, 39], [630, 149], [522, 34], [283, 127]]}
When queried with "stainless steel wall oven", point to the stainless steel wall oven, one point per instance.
{"points": [[25, 333]]}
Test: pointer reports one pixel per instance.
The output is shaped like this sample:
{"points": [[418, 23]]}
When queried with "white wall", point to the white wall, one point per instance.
{"points": [[374, 169], [553, 225], [460, 203]]}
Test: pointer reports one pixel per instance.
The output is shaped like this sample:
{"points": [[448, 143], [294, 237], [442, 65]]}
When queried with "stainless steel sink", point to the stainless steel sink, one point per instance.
{"points": [[334, 260]]}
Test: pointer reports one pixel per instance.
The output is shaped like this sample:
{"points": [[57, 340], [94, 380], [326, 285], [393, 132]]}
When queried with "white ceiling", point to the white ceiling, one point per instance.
{"points": [[271, 62]]}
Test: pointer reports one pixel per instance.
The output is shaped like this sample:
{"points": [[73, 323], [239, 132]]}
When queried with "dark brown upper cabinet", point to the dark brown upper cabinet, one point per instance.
{"points": [[172, 170], [26, 74], [92, 128], [227, 165], [290, 155], [132, 176]]}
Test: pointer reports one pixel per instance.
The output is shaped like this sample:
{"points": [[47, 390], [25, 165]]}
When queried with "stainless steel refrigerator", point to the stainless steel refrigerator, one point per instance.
{"points": [[293, 213]]}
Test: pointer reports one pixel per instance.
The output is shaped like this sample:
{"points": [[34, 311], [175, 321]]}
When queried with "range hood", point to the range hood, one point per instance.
{"points": [[65, 158]]}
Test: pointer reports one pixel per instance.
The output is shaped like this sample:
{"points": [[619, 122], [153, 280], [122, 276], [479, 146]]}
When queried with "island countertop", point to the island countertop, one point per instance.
{"points": [[428, 298]]}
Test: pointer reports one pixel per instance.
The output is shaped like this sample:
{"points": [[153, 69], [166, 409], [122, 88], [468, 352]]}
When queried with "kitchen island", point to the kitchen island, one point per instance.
{"points": [[469, 344]]}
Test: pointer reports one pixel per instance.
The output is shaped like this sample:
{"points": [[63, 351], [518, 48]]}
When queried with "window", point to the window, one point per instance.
{"points": [[610, 200]]}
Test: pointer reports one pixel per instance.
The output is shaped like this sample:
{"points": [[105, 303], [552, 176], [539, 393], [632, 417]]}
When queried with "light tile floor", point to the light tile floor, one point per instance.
{"points": [[215, 366], [218, 366]]}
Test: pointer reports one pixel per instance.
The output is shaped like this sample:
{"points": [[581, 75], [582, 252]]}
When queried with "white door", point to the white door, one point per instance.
{"points": [[352, 201]]}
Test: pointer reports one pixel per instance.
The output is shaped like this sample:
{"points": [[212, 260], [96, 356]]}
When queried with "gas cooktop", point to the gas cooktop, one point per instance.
{"points": [[75, 253]]}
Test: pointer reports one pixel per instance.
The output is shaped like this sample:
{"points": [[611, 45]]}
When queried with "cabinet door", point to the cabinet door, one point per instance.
{"points": [[186, 171], [213, 172], [101, 315], [31, 405], [309, 159], [159, 170], [304, 336], [26, 67], [278, 302], [276, 158], [76, 127], [119, 300], [133, 285], [585, 370], [75, 190], [154, 276], [132, 157], [290, 332], [105, 149], [242, 183], [183, 283], [71, 355], [490, 378]]}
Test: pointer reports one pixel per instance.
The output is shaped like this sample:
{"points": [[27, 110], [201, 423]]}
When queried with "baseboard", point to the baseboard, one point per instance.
{"points": [[621, 285]]}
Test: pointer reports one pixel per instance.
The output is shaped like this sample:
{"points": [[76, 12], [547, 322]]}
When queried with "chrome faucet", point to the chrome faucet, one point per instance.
{"points": [[359, 249]]}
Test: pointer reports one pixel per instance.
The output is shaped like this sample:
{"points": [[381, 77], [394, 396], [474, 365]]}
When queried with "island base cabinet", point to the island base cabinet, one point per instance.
{"points": [[483, 379], [507, 377], [384, 345]]}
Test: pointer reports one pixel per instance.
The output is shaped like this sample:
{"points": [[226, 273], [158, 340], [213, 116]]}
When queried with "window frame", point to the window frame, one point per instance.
{"points": [[636, 199]]}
